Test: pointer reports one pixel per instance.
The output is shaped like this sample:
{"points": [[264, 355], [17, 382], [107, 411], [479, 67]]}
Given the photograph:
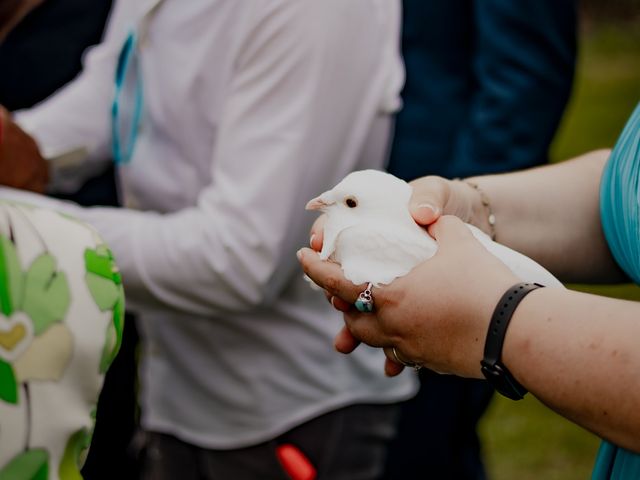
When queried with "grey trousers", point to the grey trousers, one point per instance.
{"points": [[347, 444]]}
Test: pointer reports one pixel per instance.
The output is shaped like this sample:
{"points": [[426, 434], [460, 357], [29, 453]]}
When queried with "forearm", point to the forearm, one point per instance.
{"points": [[212, 269], [552, 215], [579, 354]]}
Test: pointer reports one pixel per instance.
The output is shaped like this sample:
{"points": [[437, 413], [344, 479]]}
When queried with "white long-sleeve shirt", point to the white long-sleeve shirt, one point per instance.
{"points": [[251, 108]]}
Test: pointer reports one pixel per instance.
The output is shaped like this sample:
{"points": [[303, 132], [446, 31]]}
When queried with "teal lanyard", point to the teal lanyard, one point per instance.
{"points": [[128, 100], [620, 213], [126, 109]]}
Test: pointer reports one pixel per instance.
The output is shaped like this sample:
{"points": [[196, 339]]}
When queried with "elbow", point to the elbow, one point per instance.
{"points": [[629, 440]]}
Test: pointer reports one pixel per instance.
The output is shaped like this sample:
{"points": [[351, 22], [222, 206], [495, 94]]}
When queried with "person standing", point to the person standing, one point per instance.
{"points": [[226, 115]]}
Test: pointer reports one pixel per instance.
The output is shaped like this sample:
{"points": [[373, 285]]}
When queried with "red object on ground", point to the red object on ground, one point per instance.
{"points": [[295, 463]]}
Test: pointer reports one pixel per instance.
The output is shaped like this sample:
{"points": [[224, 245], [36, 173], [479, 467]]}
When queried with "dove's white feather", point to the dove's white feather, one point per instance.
{"points": [[521, 265], [369, 253], [378, 241]]}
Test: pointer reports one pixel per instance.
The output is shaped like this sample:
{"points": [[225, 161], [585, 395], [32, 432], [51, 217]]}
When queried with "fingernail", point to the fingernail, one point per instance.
{"points": [[311, 240], [299, 254], [435, 210]]}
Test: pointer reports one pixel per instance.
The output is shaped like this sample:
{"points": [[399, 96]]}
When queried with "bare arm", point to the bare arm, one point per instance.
{"points": [[550, 214], [578, 353]]}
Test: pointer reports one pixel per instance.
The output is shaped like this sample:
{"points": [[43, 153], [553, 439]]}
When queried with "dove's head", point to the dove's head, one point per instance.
{"points": [[362, 194]]}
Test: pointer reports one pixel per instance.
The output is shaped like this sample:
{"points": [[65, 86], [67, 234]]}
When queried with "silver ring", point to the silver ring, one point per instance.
{"points": [[364, 303], [397, 358]]}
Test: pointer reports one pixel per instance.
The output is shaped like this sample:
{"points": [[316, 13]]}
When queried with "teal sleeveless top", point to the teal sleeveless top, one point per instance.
{"points": [[620, 213]]}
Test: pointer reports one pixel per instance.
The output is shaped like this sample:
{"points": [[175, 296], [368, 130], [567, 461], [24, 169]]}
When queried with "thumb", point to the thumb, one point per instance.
{"points": [[427, 199], [448, 230], [424, 213]]}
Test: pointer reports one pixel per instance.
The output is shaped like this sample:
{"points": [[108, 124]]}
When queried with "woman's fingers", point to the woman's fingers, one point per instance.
{"points": [[328, 276], [317, 233], [391, 368], [340, 304], [359, 327], [449, 230], [344, 342]]}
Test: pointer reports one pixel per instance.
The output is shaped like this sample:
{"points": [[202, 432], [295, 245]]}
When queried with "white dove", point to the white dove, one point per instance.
{"points": [[371, 234]]}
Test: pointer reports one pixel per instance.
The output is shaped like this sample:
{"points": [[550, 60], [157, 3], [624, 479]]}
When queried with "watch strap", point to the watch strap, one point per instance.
{"points": [[495, 372]]}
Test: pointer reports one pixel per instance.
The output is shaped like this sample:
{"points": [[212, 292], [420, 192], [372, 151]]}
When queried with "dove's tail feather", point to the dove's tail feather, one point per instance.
{"points": [[521, 265]]}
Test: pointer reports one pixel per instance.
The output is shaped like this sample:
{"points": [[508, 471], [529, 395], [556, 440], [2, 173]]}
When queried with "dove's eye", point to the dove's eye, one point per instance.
{"points": [[351, 202]]}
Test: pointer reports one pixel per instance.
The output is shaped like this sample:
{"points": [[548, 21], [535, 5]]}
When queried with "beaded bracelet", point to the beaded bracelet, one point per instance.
{"points": [[484, 199]]}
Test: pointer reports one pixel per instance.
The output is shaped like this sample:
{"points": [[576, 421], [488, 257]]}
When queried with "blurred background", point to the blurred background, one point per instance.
{"points": [[525, 439], [522, 440]]}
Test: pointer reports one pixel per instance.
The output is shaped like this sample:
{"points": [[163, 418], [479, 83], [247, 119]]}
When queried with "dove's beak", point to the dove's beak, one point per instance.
{"points": [[319, 203]]}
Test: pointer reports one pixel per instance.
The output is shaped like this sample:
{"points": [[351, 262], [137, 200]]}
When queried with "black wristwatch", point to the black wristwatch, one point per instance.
{"points": [[491, 365]]}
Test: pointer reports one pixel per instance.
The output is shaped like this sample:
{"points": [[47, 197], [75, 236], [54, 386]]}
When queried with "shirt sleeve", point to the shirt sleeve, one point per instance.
{"points": [[76, 117], [294, 124]]}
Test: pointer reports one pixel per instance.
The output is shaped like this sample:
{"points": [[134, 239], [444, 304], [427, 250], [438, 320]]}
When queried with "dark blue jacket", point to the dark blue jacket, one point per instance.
{"points": [[487, 82]]}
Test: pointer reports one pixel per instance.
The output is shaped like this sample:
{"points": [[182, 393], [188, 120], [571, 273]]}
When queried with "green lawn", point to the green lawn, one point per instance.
{"points": [[525, 440], [606, 90]]}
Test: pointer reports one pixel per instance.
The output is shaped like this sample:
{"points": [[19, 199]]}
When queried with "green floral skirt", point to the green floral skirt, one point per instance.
{"points": [[61, 319]]}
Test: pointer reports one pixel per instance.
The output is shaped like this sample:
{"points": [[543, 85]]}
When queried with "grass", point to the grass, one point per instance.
{"points": [[606, 90], [526, 440]]}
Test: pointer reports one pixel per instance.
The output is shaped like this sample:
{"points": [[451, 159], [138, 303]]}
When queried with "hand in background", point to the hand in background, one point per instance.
{"points": [[21, 164], [12, 12]]}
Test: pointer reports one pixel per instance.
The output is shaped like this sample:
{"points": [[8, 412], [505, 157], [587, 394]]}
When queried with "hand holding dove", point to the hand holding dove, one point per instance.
{"points": [[370, 233], [576, 352]]}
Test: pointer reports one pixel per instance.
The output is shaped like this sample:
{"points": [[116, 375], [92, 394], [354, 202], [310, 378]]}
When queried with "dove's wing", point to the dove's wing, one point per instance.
{"points": [[522, 266], [368, 253]]}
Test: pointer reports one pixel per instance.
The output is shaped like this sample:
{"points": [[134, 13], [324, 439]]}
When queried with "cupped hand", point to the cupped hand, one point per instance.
{"points": [[21, 164], [436, 316]]}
